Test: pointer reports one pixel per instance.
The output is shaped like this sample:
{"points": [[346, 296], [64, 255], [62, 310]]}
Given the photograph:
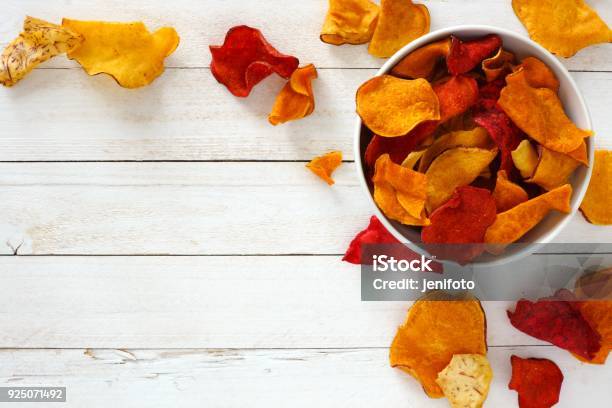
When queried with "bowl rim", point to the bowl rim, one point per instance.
{"points": [[577, 191]]}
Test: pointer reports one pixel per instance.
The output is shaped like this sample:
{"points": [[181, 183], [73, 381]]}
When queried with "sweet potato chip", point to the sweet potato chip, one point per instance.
{"points": [[476, 137], [507, 195], [465, 56], [400, 192], [525, 158], [434, 331], [413, 157], [539, 113], [399, 22], [580, 154], [421, 62], [324, 166], [537, 381], [463, 219], [557, 321], [498, 65], [563, 27], [349, 22], [594, 285], [126, 51], [465, 380], [391, 106], [296, 99], [538, 74], [456, 96], [597, 203], [38, 42], [454, 168], [517, 221], [598, 313], [553, 169], [246, 58]]}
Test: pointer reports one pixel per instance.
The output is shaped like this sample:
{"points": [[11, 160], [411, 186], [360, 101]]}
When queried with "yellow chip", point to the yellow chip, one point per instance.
{"points": [[454, 168], [477, 137], [525, 158], [324, 166], [497, 65], [391, 106], [349, 22], [412, 158], [465, 380], [39, 42], [296, 99], [597, 203], [539, 113], [126, 51], [506, 194], [421, 63], [399, 22], [563, 27], [553, 169]]}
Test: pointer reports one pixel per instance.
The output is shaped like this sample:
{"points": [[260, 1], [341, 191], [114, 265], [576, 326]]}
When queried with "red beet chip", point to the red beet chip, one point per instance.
{"points": [[537, 381], [377, 234], [465, 56], [456, 96], [463, 219], [246, 58], [492, 90], [558, 321]]}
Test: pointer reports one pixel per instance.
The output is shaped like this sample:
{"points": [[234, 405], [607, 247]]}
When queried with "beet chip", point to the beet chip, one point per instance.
{"points": [[557, 321], [246, 58], [463, 219], [537, 381], [456, 96], [465, 56]]}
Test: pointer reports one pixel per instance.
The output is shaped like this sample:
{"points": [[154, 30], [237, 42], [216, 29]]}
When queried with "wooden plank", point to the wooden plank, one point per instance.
{"points": [[201, 302], [264, 378], [64, 115], [188, 208], [294, 30]]}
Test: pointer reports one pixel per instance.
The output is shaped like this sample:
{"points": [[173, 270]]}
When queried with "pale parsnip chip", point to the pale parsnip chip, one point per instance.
{"points": [[465, 380]]}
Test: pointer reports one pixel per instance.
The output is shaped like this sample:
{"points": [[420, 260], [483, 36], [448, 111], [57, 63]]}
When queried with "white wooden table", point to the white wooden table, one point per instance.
{"points": [[166, 247]]}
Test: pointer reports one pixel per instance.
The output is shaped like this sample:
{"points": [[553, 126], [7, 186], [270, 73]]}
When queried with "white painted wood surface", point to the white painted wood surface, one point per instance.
{"points": [[220, 275]]}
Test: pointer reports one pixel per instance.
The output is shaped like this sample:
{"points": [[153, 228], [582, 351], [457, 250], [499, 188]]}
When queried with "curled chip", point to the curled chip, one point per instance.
{"points": [[538, 74], [399, 22], [324, 166], [476, 137], [413, 157], [463, 219], [436, 329], [400, 192], [559, 321], [498, 65], [464, 56], [126, 51], [537, 381], [392, 107], [539, 113], [553, 169], [421, 62], [465, 380], [349, 22], [456, 96], [39, 42], [525, 158], [506, 194], [563, 27], [296, 99], [597, 203], [517, 221], [246, 58], [454, 168]]}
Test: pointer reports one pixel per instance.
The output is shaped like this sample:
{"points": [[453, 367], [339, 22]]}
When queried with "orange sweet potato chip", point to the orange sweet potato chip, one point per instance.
{"points": [[400, 192], [539, 113], [126, 51], [498, 65], [296, 99], [564, 27], [553, 169], [525, 158], [538, 74], [421, 63], [392, 107], [349, 22], [517, 221], [594, 285], [399, 22], [598, 313], [477, 137], [454, 168], [506, 194], [597, 203], [324, 166], [580, 154], [434, 331]]}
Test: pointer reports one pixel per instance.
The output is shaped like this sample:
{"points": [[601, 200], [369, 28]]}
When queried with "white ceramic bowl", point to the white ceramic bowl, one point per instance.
{"points": [[575, 108]]}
